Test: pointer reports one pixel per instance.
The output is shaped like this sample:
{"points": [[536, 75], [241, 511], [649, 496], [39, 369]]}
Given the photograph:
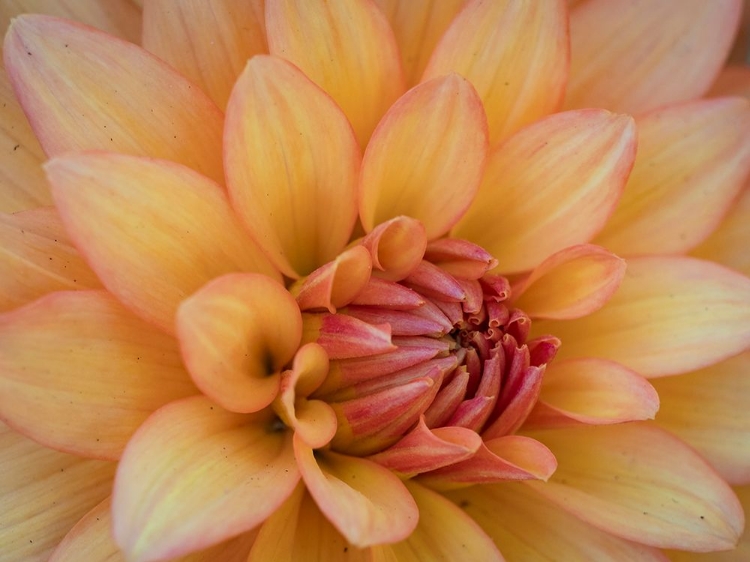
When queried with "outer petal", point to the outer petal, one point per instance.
{"points": [[530, 528], [692, 163], [43, 494], [426, 157], [733, 80], [80, 373], [515, 53], [209, 42], [36, 258], [633, 56], [292, 163], [153, 231], [552, 185], [642, 484], [364, 501], [670, 315], [571, 283], [194, 475], [708, 409], [418, 26], [82, 89], [344, 46]]}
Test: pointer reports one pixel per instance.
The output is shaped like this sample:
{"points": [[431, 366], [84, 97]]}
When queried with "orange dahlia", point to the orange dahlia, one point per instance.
{"points": [[374, 280]]}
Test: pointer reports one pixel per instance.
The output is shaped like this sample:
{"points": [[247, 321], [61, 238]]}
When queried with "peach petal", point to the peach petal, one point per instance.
{"points": [[236, 334], [552, 185], [210, 475], [426, 158], [708, 409], [208, 42], [670, 315], [80, 373], [642, 484], [153, 231], [592, 391], [692, 162], [397, 247], [364, 501], [82, 89], [387, 294], [733, 80], [516, 517], [36, 258], [418, 26], [571, 283], [44, 493], [460, 258], [347, 48], [516, 54], [635, 56], [276, 114], [346, 337]]}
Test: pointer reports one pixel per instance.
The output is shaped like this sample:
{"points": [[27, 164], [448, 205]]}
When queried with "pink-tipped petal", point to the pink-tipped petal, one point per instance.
{"points": [[346, 337], [153, 231], [337, 283], [632, 56], [460, 258], [670, 315], [291, 161], [226, 473], [387, 294], [82, 89], [516, 54], [426, 158], [552, 185]]}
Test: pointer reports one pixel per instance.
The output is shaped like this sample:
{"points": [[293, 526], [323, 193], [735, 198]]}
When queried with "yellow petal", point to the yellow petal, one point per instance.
{"points": [[80, 373], [528, 527], [670, 315], [82, 89], [209, 42], [426, 157], [552, 185], [44, 493], [692, 163], [515, 54], [642, 484], [194, 475], [36, 258], [153, 231], [569, 284], [418, 26], [292, 163], [708, 409], [632, 56], [347, 48]]}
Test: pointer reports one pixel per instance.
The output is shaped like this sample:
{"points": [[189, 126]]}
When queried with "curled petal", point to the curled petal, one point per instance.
{"points": [[346, 337], [460, 258], [397, 247], [387, 294]]}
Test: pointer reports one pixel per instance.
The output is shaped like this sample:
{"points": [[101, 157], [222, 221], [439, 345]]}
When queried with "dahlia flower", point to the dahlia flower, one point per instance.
{"points": [[374, 280]]}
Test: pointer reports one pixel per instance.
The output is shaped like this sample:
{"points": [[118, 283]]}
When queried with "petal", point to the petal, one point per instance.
{"points": [[82, 89], [426, 157], [733, 80], [346, 48], [552, 185], [528, 527], [571, 283], [632, 56], [237, 333], [418, 26], [728, 244], [397, 247], [43, 494], [274, 116], [209, 42], [592, 391], [514, 53], [37, 258], [692, 163], [363, 500], [194, 475], [670, 315], [153, 231], [80, 373], [708, 409], [640, 483]]}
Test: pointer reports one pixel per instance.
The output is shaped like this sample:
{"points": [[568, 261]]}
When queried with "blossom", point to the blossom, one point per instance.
{"points": [[407, 284]]}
